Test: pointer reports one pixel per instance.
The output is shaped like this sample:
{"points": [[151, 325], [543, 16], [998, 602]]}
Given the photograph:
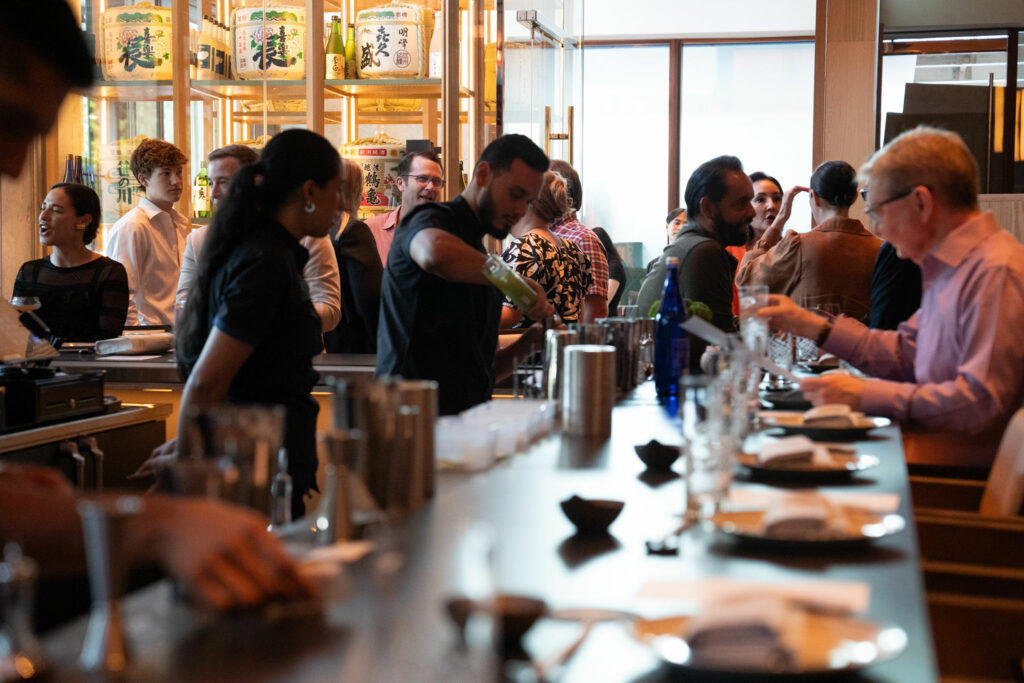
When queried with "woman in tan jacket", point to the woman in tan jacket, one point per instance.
{"points": [[831, 264]]}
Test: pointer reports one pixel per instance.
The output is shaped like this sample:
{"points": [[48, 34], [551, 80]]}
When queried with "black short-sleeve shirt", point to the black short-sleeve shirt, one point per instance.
{"points": [[432, 328], [260, 297]]}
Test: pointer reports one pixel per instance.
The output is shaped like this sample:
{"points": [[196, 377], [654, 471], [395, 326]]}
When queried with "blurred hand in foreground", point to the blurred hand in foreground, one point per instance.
{"points": [[222, 552]]}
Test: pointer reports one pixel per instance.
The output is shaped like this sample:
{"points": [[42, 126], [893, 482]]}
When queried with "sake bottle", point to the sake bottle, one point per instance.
{"points": [[350, 53], [201, 194], [335, 63]]}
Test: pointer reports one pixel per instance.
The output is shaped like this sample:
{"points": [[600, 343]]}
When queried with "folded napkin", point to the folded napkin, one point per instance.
{"points": [[762, 497], [154, 342], [805, 517], [795, 450], [832, 415], [752, 634], [850, 596]]}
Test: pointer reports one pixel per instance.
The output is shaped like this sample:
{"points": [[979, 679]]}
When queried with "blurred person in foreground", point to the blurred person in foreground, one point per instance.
{"points": [[320, 271], [954, 373], [83, 294], [831, 264], [718, 210], [222, 552], [439, 315], [420, 181], [595, 303]]}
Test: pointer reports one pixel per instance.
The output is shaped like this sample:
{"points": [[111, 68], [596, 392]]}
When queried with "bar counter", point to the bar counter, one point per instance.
{"points": [[395, 627], [146, 372]]}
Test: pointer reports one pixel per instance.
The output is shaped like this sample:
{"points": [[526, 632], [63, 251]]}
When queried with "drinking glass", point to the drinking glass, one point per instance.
{"points": [[754, 329], [807, 350], [708, 469], [23, 304]]}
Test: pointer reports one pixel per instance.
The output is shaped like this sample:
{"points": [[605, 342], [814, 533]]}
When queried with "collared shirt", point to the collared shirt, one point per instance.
{"points": [[571, 229], [432, 328], [149, 242], [320, 273], [831, 264], [955, 371], [383, 228]]}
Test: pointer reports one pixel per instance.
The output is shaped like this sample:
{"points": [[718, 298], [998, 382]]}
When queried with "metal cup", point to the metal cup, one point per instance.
{"points": [[554, 347], [588, 390], [104, 523]]}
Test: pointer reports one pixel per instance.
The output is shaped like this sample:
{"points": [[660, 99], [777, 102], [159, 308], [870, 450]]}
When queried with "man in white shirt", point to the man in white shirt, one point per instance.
{"points": [[149, 240], [321, 270], [420, 182]]}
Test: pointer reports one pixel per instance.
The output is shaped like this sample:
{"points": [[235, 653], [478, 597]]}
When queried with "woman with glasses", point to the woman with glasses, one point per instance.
{"points": [[830, 265], [556, 264]]}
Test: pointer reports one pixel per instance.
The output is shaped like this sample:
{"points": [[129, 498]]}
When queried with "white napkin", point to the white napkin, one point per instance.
{"points": [[852, 596], [794, 450], [804, 516], [833, 415], [750, 634], [757, 497], [155, 342]]}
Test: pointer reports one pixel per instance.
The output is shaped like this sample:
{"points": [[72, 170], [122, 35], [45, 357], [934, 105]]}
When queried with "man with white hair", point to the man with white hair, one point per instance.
{"points": [[953, 373]]}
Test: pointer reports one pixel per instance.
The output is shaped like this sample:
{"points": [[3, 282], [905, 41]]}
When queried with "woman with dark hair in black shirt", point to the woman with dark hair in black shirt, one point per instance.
{"points": [[616, 271], [84, 295], [249, 331]]}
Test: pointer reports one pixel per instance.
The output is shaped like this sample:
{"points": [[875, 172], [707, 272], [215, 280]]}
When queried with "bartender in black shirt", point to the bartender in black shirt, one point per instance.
{"points": [[249, 331], [439, 314]]}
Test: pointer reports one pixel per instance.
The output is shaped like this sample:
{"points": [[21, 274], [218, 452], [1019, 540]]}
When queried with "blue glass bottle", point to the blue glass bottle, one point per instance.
{"points": [[671, 342]]}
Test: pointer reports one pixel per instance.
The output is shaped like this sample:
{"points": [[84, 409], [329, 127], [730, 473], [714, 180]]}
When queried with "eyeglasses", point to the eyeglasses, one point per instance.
{"points": [[872, 210], [424, 179]]}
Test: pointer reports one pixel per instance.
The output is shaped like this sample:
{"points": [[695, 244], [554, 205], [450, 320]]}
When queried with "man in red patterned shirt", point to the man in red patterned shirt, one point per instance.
{"points": [[595, 303]]}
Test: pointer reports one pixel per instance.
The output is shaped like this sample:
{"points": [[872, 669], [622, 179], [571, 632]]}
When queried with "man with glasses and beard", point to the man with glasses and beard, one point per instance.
{"points": [[718, 212], [953, 374], [419, 181], [439, 315]]}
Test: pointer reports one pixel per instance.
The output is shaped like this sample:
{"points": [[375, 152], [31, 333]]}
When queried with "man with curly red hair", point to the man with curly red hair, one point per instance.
{"points": [[149, 240]]}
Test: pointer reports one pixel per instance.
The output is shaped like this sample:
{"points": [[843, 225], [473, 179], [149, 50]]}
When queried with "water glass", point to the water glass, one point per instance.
{"points": [[708, 469], [754, 329]]}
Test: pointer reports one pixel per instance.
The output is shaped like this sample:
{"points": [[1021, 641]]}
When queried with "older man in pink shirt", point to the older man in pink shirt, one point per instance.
{"points": [[954, 373], [420, 181]]}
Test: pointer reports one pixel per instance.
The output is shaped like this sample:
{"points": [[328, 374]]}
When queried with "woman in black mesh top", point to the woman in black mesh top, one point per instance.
{"points": [[84, 295]]}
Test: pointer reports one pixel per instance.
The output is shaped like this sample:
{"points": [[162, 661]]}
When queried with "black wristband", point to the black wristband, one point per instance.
{"points": [[825, 331]]}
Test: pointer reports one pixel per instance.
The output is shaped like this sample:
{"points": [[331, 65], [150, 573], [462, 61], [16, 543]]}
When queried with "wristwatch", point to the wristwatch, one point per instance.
{"points": [[825, 331]]}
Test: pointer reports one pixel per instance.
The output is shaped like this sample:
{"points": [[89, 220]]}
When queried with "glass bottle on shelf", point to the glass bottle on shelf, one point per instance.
{"points": [[335, 63], [69, 168], [350, 52], [77, 177], [220, 54], [201, 194], [206, 50], [436, 46]]}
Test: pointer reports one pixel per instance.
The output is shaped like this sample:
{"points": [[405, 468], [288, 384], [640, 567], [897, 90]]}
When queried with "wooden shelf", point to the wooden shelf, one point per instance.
{"points": [[405, 88]]}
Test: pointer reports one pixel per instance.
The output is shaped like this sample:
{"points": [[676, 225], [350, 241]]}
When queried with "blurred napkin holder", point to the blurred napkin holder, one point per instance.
{"points": [[152, 342]]}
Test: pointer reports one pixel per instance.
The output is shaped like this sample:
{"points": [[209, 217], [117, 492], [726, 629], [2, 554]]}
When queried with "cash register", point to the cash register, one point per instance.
{"points": [[31, 392]]}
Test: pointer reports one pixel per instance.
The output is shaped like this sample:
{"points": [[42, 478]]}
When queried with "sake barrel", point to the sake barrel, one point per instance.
{"points": [[270, 43], [136, 43], [392, 41], [378, 156]]}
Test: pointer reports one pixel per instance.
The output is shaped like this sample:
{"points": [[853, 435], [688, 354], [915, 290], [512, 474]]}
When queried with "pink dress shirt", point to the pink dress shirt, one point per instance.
{"points": [[383, 228], [954, 372]]}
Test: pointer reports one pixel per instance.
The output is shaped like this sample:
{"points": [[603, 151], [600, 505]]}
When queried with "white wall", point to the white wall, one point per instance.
{"points": [[697, 18]]}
